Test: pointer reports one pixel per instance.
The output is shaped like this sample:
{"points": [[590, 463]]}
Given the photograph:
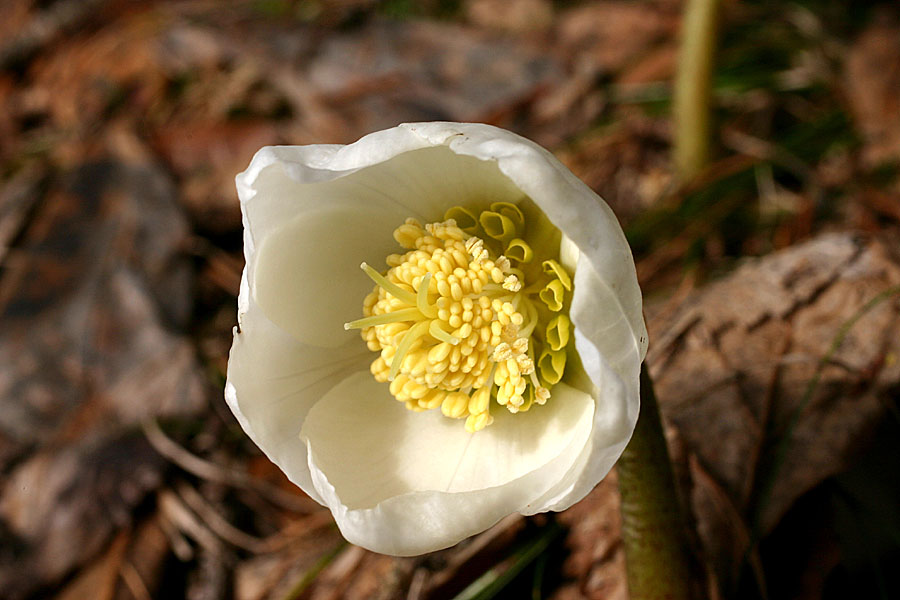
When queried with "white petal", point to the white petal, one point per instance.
{"points": [[615, 415], [410, 168], [603, 340], [273, 381], [604, 333], [307, 278], [403, 483], [310, 227], [569, 204], [283, 182], [317, 211], [610, 334]]}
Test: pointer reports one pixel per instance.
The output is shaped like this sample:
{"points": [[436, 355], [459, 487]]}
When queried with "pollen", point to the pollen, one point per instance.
{"points": [[458, 319]]}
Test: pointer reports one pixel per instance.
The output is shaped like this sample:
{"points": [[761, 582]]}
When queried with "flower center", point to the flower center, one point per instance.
{"points": [[467, 315]]}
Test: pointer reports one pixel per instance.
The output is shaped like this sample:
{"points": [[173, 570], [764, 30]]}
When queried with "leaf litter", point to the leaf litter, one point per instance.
{"points": [[122, 129]]}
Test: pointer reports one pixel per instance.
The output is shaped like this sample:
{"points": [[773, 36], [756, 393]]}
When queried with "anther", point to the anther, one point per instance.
{"points": [[512, 283], [414, 333], [452, 321], [391, 288]]}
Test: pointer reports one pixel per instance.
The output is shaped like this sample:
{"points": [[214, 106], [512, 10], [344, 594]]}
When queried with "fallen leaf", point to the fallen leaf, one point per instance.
{"points": [[275, 574], [389, 72], [872, 78], [612, 34], [510, 15], [206, 155], [91, 307], [63, 505], [98, 581], [143, 563], [733, 367], [626, 163], [594, 539]]}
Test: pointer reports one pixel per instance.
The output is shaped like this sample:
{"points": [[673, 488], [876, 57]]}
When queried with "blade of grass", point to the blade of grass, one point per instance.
{"points": [[495, 581], [313, 572], [538, 583]]}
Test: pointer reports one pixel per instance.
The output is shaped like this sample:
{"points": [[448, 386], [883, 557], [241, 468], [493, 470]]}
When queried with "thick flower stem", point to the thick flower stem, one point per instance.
{"points": [[653, 526], [693, 87]]}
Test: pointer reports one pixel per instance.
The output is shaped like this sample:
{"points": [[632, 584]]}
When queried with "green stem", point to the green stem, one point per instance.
{"points": [[693, 87], [653, 527]]}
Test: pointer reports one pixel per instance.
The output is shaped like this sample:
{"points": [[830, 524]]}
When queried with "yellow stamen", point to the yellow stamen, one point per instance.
{"points": [[512, 283], [434, 328], [398, 316], [453, 320], [422, 298], [391, 288], [455, 405], [477, 422], [413, 334]]}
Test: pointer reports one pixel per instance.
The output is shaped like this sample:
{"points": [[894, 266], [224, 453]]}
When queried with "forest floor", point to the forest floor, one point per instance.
{"points": [[770, 280]]}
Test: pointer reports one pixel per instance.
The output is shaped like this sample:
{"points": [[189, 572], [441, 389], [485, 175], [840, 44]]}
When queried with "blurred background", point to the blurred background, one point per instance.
{"points": [[770, 274]]}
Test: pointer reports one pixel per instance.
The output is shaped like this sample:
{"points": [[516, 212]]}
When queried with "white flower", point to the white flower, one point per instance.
{"points": [[400, 481]]}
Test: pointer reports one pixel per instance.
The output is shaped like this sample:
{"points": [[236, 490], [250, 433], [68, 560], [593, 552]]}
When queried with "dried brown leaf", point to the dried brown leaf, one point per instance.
{"points": [[90, 307], [143, 563], [871, 83], [275, 575], [62, 506], [612, 34], [594, 539], [98, 581], [627, 164], [389, 72], [510, 15], [206, 155], [733, 367], [98, 67]]}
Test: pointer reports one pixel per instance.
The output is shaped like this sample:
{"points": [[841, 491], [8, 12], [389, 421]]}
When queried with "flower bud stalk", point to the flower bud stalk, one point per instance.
{"points": [[653, 527]]}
